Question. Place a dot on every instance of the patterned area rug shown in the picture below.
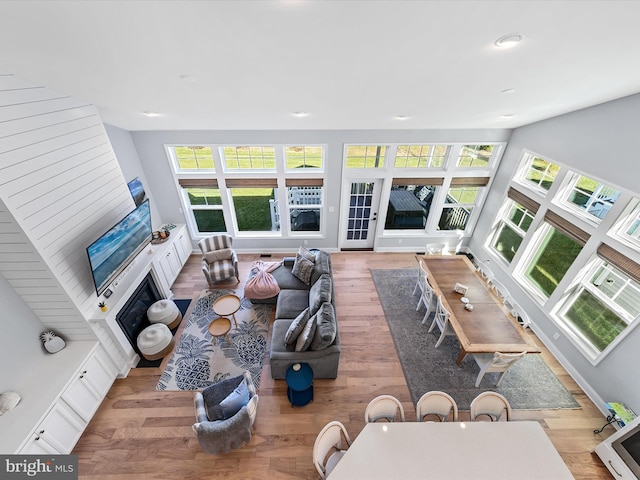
(529, 385)
(197, 363)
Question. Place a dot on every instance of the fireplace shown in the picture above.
(132, 318)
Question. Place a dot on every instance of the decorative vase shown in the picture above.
(102, 306)
(52, 343)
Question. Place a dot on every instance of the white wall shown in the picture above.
(601, 142)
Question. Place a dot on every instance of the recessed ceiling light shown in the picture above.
(508, 90)
(401, 117)
(299, 114)
(507, 116)
(151, 114)
(188, 78)
(509, 41)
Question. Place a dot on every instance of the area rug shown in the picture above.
(528, 385)
(183, 305)
(197, 362)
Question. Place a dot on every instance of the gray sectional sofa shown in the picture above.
(321, 350)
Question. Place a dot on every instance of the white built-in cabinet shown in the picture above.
(64, 421)
(170, 259)
(610, 457)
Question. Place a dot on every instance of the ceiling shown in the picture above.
(245, 65)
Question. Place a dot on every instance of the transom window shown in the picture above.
(194, 158)
(590, 197)
(421, 156)
(249, 158)
(539, 173)
(475, 156)
(307, 157)
(365, 156)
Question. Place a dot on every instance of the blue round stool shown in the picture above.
(299, 378)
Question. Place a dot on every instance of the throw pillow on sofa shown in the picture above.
(319, 293)
(306, 253)
(302, 269)
(306, 337)
(325, 320)
(296, 327)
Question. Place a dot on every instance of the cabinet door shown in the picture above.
(183, 246)
(87, 390)
(170, 265)
(58, 432)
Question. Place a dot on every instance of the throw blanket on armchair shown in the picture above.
(261, 283)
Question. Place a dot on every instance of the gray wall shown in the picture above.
(599, 141)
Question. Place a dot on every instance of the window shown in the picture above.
(255, 207)
(249, 158)
(409, 204)
(307, 157)
(475, 156)
(365, 156)
(206, 207)
(421, 156)
(590, 197)
(194, 158)
(304, 203)
(605, 301)
(539, 173)
(554, 253)
(462, 196)
(513, 225)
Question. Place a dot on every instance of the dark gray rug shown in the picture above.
(529, 385)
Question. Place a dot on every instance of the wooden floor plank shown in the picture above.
(141, 433)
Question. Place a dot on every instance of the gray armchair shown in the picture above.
(220, 436)
(219, 260)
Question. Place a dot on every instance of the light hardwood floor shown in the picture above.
(141, 433)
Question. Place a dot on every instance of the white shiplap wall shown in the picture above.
(60, 188)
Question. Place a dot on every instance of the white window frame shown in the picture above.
(629, 216)
(502, 220)
(495, 153)
(526, 165)
(248, 171)
(569, 186)
(428, 158)
(310, 170)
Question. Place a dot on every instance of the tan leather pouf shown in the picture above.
(155, 341)
(165, 311)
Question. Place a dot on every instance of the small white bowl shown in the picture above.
(464, 300)
(468, 306)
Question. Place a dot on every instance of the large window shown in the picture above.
(605, 301)
(514, 222)
(253, 206)
(206, 207)
(365, 156)
(539, 173)
(421, 156)
(305, 207)
(409, 205)
(461, 199)
(589, 197)
(554, 253)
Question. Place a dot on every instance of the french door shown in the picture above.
(362, 201)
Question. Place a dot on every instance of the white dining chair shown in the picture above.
(490, 404)
(520, 315)
(500, 290)
(435, 249)
(423, 274)
(485, 271)
(384, 407)
(329, 447)
(427, 299)
(441, 319)
(436, 404)
(496, 362)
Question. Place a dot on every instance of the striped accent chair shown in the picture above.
(219, 260)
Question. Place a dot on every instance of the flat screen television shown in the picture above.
(110, 254)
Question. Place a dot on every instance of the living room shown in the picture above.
(595, 141)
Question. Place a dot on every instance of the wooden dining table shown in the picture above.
(489, 327)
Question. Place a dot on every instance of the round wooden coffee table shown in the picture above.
(220, 327)
(227, 305)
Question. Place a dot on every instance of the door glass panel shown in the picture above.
(360, 201)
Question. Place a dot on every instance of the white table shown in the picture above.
(452, 450)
